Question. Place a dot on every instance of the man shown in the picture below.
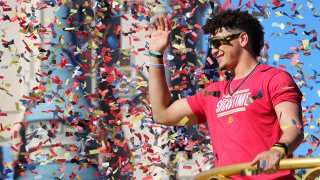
(253, 117)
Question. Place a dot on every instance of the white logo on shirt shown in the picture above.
(231, 104)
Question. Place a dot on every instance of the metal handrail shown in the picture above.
(285, 164)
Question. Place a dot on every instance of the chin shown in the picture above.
(222, 67)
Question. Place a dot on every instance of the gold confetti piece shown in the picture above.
(94, 151)
(176, 7)
(183, 121)
(306, 135)
(19, 69)
(70, 29)
(305, 44)
(286, 126)
(66, 155)
(43, 163)
(276, 57)
(279, 14)
(200, 63)
(17, 106)
(141, 116)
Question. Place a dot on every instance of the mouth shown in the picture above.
(219, 58)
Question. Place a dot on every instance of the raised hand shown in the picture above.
(160, 36)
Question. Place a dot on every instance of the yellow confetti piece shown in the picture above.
(305, 44)
(299, 7)
(23, 153)
(19, 69)
(60, 46)
(8, 126)
(48, 82)
(17, 106)
(94, 151)
(71, 130)
(276, 57)
(70, 29)
(279, 14)
(143, 84)
(267, 15)
(183, 121)
(177, 7)
(59, 100)
(286, 126)
(138, 117)
(70, 97)
(67, 81)
(199, 61)
(66, 155)
(103, 144)
(97, 113)
(313, 127)
(300, 16)
(190, 64)
(43, 163)
(298, 66)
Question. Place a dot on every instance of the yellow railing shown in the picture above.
(221, 173)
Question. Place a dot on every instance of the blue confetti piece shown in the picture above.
(294, 122)
(168, 8)
(264, 164)
(141, 18)
(31, 167)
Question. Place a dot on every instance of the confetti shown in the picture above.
(126, 94)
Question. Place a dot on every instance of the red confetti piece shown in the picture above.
(276, 3)
(3, 114)
(209, 60)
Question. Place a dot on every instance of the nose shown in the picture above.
(214, 52)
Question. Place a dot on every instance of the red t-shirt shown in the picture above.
(246, 125)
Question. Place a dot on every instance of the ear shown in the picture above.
(243, 39)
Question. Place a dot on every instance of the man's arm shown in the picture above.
(290, 118)
(164, 110)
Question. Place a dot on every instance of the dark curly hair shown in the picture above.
(237, 19)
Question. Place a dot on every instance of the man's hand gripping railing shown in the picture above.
(222, 173)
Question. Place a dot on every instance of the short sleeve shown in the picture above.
(283, 88)
(197, 105)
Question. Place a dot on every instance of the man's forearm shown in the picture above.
(292, 136)
(160, 96)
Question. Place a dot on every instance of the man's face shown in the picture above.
(225, 48)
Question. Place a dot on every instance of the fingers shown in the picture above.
(268, 163)
(166, 25)
(161, 24)
(154, 26)
(255, 161)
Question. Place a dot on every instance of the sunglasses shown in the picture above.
(217, 41)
